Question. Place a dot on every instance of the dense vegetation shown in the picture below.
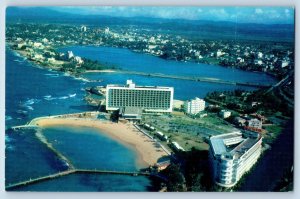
(86, 65)
(241, 101)
(191, 174)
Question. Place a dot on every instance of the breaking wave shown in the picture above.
(64, 97)
(8, 118)
(30, 102)
(72, 95)
(49, 97)
(19, 61)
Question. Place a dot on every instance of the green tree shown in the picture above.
(176, 180)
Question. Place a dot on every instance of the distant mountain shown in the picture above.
(44, 14)
(27, 12)
(192, 28)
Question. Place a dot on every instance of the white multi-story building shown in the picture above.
(70, 55)
(147, 98)
(225, 114)
(233, 154)
(83, 28)
(194, 106)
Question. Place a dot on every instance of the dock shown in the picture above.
(73, 171)
(35, 180)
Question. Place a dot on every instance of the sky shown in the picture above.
(266, 15)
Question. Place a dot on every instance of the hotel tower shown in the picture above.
(145, 98)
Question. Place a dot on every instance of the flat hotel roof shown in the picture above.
(147, 87)
(219, 146)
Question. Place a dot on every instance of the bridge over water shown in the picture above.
(189, 78)
(72, 171)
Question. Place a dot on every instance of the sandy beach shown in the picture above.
(125, 133)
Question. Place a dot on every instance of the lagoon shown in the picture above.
(86, 148)
(183, 89)
(132, 61)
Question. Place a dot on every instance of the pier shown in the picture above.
(73, 171)
(133, 173)
(39, 179)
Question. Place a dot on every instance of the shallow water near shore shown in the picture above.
(88, 148)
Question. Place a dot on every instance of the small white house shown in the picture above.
(225, 114)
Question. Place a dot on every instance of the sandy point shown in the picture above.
(148, 150)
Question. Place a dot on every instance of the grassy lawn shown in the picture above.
(187, 142)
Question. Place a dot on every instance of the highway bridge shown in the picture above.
(189, 78)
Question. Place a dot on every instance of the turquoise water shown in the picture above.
(86, 148)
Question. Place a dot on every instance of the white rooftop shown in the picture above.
(131, 84)
(221, 143)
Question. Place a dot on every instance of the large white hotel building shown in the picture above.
(233, 154)
(147, 98)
